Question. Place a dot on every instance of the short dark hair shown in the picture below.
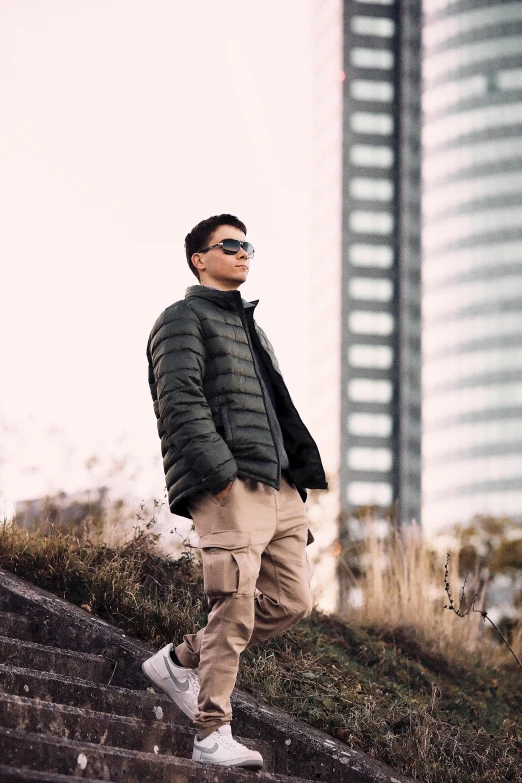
(199, 237)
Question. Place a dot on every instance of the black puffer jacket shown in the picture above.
(210, 405)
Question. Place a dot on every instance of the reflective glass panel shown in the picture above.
(450, 162)
(450, 370)
(437, 33)
(378, 357)
(451, 93)
(373, 425)
(452, 474)
(455, 126)
(369, 322)
(371, 122)
(378, 459)
(437, 65)
(460, 437)
(454, 229)
(460, 296)
(371, 155)
(462, 330)
(450, 264)
(371, 189)
(454, 403)
(371, 90)
(364, 57)
(372, 25)
(366, 390)
(371, 288)
(369, 222)
(456, 194)
(464, 505)
(380, 256)
(365, 493)
(510, 78)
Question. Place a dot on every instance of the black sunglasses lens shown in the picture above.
(248, 248)
(231, 246)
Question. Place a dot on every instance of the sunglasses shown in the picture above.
(231, 247)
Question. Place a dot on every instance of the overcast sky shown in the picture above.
(124, 123)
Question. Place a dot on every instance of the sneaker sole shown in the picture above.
(149, 671)
(253, 764)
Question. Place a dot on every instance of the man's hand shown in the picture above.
(224, 492)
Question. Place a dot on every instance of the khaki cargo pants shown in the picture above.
(255, 538)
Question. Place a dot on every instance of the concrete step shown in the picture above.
(17, 775)
(16, 626)
(29, 655)
(25, 750)
(145, 705)
(81, 725)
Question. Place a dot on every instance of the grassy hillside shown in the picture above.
(435, 716)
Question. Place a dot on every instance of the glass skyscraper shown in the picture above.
(380, 307)
(472, 260)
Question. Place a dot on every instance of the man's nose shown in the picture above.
(241, 253)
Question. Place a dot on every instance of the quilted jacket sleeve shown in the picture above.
(176, 368)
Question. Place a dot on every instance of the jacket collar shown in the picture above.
(231, 300)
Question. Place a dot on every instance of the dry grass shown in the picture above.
(402, 586)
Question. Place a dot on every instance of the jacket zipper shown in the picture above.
(243, 317)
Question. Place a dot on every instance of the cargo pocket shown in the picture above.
(225, 562)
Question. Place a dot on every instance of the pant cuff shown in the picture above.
(187, 659)
(204, 732)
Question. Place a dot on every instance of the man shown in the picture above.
(237, 459)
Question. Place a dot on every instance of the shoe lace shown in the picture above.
(230, 742)
(194, 681)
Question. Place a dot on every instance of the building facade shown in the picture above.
(472, 260)
(380, 308)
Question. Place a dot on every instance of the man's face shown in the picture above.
(218, 269)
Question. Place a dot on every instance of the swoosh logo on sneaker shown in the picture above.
(183, 686)
(206, 750)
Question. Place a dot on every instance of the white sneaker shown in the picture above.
(178, 682)
(220, 748)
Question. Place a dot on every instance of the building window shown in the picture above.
(377, 459)
(465, 191)
(369, 322)
(366, 493)
(371, 425)
(370, 90)
(366, 222)
(476, 293)
(371, 155)
(510, 78)
(455, 126)
(380, 256)
(461, 331)
(376, 2)
(373, 25)
(371, 189)
(459, 402)
(378, 289)
(452, 161)
(451, 93)
(363, 57)
(449, 265)
(367, 390)
(461, 437)
(372, 122)
(451, 370)
(456, 229)
(438, 65)
(437, 33)
(378, 357)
